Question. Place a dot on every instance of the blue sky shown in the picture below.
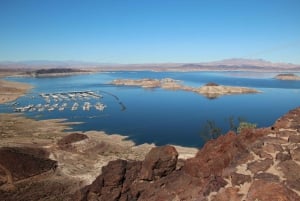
(146, 31)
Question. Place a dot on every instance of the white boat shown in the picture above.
(86, 106)
(75, 106)
(51, 108)
(100, 106)
(41, 109)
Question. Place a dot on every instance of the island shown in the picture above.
(287, 76)
(57, 72)
(210, 90)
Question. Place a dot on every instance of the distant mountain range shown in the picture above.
(234, 64)
(252, 62)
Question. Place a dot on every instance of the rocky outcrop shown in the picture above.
(257, 164)
(66, 142)
(159, 162)
(20, 163)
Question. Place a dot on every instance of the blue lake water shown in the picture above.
(161, 116)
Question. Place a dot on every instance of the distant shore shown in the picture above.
(287, 76)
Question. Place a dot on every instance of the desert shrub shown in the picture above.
(245, 125)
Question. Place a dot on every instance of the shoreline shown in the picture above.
(266, 156)
(10, 91)
(83, 160)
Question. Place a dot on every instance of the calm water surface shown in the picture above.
(160, 116)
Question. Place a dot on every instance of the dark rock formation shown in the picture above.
(66, 142)
(269, 191)
(128, 180)
(283, 156)
(264, 159)
(21, 163)
(159, 162)
(238, 179)
(258, 166)
(267, 177)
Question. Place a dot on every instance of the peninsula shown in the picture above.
(10, 91)
(210, 90)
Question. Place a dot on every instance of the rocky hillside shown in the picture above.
(260, 164)
(257, 164)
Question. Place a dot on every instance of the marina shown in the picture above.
(59, 101)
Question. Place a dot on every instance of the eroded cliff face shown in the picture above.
(257, 164)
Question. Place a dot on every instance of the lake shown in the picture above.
(160, 116)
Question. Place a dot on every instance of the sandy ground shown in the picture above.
(84, 159)
(10, 91)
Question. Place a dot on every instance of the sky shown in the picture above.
(149, 31)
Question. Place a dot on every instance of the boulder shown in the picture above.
(281, 156)
(159, 162)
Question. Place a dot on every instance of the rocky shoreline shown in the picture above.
(257, 164)
(210, 90)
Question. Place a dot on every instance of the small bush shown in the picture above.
(245, 125)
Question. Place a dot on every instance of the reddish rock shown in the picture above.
(159, 162)
(262, 165)
(294, 138)
(108, 185)
(272, 148)
(66, 142)
(283, 156)
(214, 185)
(267, 177)
(228, 194)
(214, 156)
(22, 163)
(296, 154)
(238, 179)
(269, 191)
(290, 169)
(294, 184)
